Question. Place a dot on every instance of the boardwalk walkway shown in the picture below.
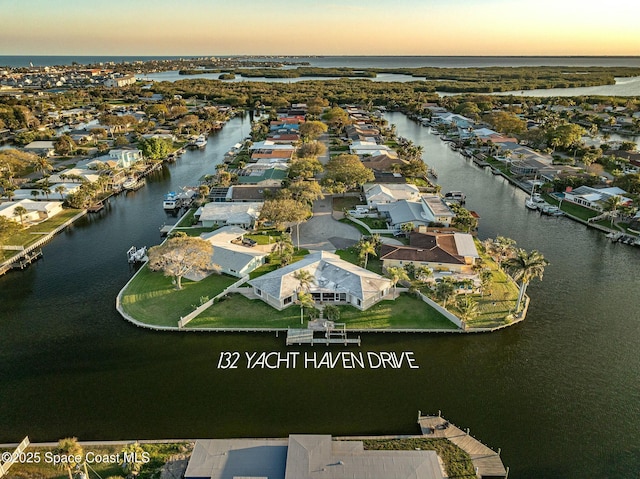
(486, 461)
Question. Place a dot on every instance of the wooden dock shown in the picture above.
(486, 461)
(306, 336)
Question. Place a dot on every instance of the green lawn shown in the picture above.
(269, 236)
(188, 219)
(342, 203)
(194, 231)
(571, 208)
(275, 263)
(405, 312)
(34, 233)
(236, 311)
(375, 223)
(362, 229)
(151, 298)
(351, 255)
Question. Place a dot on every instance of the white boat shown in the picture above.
(535, 202)
(456, 196)
(174, 201)
(201, 141)
(137, 255)
(551, 210)
(132, 183)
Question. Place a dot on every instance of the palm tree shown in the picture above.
(467, 308)
(366, 248)
(396, 274)
(69, 448)
(445, 289)
(524, 267)
(304, 278)
(35, 194)
(283, 246)
(60, 189)
(423, 273)
(132, 462)
(502, 248)
(20, 211)
(43, 165)
(407, 228)
(611, 205)
(305, 300)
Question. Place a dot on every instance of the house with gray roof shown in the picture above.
(595, 198)
(334, 281)
(423, 212)
(228, 213)
(230, 256)
(377, 194)
(306, 456)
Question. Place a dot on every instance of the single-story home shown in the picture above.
(227, 213)
(306, 456)
(595, 198)
(455, 252)
(45, 148)
(377, 194)
(126, 157)
(382, 160)
(72, 174)
(335, 281)
(36, 210)
(366, 148)
(423, 212)
(229, 254)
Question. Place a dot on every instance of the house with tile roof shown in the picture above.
(335, 281)
(454, 252)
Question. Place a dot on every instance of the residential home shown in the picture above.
(126, 157)
(230, 255)
(120, 81)
(222, 214)
(377, 194)
(44, 148)
(250, 193)
(334, 281)
(367, 148)
(453, 252)
(595, 198)
(36, 210)
(305, 456)
(383, 161)
(428, 210)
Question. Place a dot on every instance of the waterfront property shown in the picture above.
(334, 281)
(381, 194)
(451, 252)
(427, 210)
(306, 456)
(35, 211)
(595, 198)
(243, 215)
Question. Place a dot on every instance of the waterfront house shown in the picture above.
(230, 255)
(595, 198)
(428, 210)
(335, 281)
(377, 194)
(453, 252)
(37, 211)
(74, 174)
(367, 148)
(125, 157)
(243, 215)
(306, 456)
(383, 160)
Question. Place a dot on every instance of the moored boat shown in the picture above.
(133, 183)
(456, 196)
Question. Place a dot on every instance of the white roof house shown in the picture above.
(367, 148)
(82, 173)
(239, 214)
(335, 281)
(306, 456)
(36, 210)
(595, 198)
(125, 157)
(229, 255)
(390, 193)
(42, 147)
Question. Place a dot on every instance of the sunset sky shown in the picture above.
(372, 27)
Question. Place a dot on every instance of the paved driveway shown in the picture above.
(322, 232)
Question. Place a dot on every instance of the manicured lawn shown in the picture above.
(342, 203)
(236, 311)
(572, 209)
(187, 220)
(34, 233)
(351, 255)
(405, 312)
(265, 236)
(197, 231)
(151, 298)
(374, 223)
(275, 263)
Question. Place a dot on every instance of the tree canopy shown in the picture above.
(179, 256)
(344, 172)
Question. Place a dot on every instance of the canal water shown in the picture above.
(559, 393)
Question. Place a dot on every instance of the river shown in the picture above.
(558, 393)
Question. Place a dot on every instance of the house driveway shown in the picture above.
(322, 232)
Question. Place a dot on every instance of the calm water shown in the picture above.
(559, 394)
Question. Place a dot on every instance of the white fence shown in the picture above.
(370, 230)
(450, 316)
(13, 458)
(184, 320)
